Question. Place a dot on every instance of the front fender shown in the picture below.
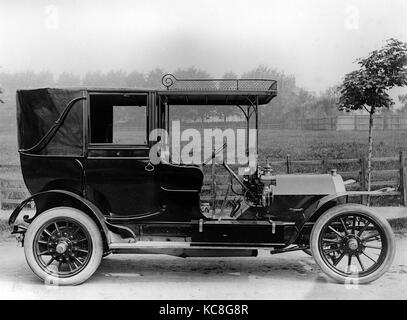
(322, 204)
(334, 196)
(89, 205)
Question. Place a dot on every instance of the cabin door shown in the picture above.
(118, 174)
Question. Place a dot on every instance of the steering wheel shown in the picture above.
(215, 153)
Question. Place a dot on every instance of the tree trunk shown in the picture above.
(369, 156)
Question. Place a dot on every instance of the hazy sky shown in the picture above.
(317, 40)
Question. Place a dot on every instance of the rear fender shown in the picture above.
(91, 209)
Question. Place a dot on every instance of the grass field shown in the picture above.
(332, 144)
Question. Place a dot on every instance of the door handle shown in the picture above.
(149, 167)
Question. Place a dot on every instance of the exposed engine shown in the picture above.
(269, 181)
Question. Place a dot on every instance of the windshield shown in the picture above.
(194, 132)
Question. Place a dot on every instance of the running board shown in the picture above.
(187, 245)
(186, 249)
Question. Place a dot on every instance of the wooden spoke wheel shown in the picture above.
(63, 246)
(352, 244)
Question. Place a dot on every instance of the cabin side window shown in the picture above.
(118, 119)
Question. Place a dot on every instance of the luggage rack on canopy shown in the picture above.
(254, 85)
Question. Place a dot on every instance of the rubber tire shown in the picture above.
(352, 208)
(87, 222)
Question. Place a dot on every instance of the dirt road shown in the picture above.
(286, 276)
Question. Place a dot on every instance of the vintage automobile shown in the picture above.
(96, 192)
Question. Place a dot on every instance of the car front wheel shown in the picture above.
(352, 244)
(63, 246)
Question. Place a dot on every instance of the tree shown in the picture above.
(366, 88)
(306, 105)
(66, 79)
(288, 93)
(44, 79)
(316, 106)
(96, 79)
(403, 100)
(192, 112)
(116, 79)
(1, 92)
(153, 78)
(225, 111)
(136, 80)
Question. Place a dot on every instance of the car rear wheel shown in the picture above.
(352, 244)
(63, 246)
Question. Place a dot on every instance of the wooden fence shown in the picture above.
(12, 191)
(394, 174)
(389, 121)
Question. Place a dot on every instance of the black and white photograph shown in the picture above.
(221, 152)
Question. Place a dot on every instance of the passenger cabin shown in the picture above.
(80, 140)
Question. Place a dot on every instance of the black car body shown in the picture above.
(72, 158)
